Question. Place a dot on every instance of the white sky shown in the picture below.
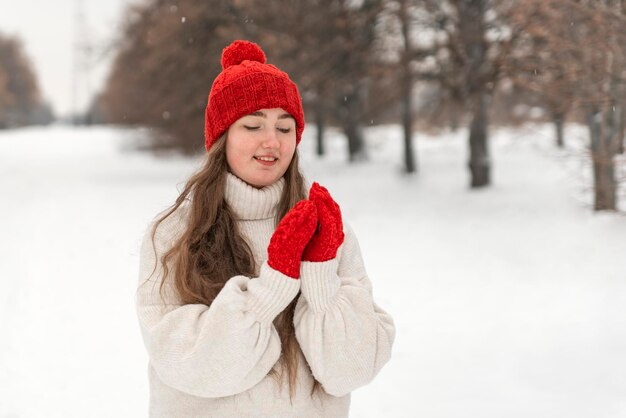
(47, 30)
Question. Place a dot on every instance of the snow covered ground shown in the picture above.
(508, 301)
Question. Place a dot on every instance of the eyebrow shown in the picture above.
(263, 115)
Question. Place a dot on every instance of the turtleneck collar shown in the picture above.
(250, 203)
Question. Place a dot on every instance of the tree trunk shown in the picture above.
(621, 127)
(602, 134)
(407, 91)
(604, 182)
(319, 121)
(478, 77)
(352, 126)
(407, 123)
(354, 133)
(456, 112)
(479, 163)
(559, 119)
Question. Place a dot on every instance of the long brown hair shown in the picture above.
(211, 250)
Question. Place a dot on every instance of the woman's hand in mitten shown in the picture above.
(329, 235)
(290, 237)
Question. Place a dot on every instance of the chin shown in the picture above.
(259, 183)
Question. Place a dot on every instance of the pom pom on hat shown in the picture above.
(238, 51)
(246, 84)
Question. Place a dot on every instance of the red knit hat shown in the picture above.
(245, 85)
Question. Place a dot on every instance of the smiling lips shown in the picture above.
(266, 160)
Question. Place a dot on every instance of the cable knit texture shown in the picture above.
(250, 203)
(214, 361)
(329, 235)
(247, 84)
(291, 236)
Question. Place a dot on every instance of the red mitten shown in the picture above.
(290, 237)
(329, 236)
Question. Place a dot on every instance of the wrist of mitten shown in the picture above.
(270, 293)
(319, 283)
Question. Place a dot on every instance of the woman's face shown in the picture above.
(259, 146)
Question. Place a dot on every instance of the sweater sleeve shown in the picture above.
(345, 337)
(210, 351)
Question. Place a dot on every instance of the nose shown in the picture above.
(270, 140)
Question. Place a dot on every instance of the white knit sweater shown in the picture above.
(213, 361)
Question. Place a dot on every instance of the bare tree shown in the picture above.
(168, 56)
(542, 61)
(407, 85)
(462, 46)
(19, 92)
(326, 46)
(5, 96)
(582, 69)
(604, 106)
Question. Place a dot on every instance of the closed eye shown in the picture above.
(251, 128)
(284, 130)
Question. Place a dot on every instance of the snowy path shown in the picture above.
(509, 302)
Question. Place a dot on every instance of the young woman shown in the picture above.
(253, 299)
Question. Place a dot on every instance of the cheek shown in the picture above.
(236, 148)
(230, 153)
(289, 147)
(286, 160)
(235, 155)
(230, 161)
